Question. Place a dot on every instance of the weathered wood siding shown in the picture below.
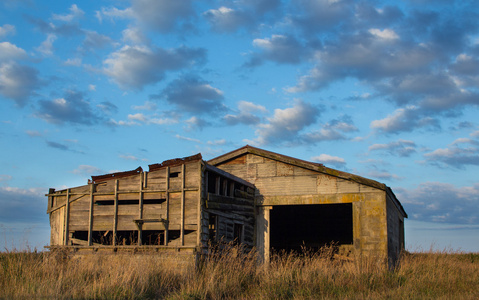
(121, 205)
(279, 183)
(395, 230)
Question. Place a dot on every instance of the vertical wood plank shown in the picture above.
(115, 217)
(167, 204)
(67, 217)
(200, 193)
(90, 220)
(267, 247)
(182, 224)
(217, 186)
(140, 210)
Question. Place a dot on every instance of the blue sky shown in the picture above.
(384, 89)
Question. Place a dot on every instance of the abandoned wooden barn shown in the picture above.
(180, 205)
(249, 196)
(305, 204)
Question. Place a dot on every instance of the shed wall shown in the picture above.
(279, 183)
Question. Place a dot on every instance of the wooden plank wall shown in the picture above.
(117, 205)
(278, 183)
(232, 204)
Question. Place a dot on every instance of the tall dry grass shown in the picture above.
(234, 275)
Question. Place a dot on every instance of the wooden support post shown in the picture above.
(167, 204)
(67, 217)
(115, 218)
(200, 194)
(182, 230)
(217, 185)
(140, 210)
(90, 220)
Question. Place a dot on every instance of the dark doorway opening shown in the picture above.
(294, 227)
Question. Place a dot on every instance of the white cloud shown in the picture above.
(442, 202)
(148, 105)
(75, 62)
(134, 35)
(10, 51)
(46, 47)
(386, 34)
(187, 139)
(17, 82)
(192, 94)
(225, 19)
(404, 119)
(329, 159)
(75, 13)
(133, 67)
(286, 123)
(114, 12)
(402, 148)
(246, 114)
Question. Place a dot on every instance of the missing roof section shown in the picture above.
(101, 178)
(175, 162)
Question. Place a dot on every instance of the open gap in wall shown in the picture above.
(129, 202)
(153, 237)
(125, 238)
(102, 237)
(298, 227)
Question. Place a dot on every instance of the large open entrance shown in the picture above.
(312, 226)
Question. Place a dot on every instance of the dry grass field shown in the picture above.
(444, 275)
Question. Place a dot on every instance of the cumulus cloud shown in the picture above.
(95, 40)
(107, 107)
(133, 67)
(405, 59)
(64, 29)
(225, 19)
(281, 49)
(240, 14)
(333, 130)
(134, 35)
(460, 153)
(73, 108)
(386, 34)
(163, 15)
(382, 175)
(184, 138)
(159, 15)
(75, 13)
(405, 120)
(286, 124)
(329, 159)
(246, 114)
(46, 47)
(441, 203)
(193, 94)
(10, 51)
(18, 82)
(401, 148)
(319, 15)
(196, 123)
